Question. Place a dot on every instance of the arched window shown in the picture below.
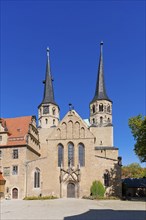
(93, 120)
(101, 107)
(53, 111)
(60, 155)
(53, 121)
(101, 120)
(81, 155)
(37, 178)
(108, 120)
(108, 108)
(93, 108)
(70, 154)
(46, 121)
(106, 179)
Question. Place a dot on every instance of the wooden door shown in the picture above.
(15, 193)
(71, 190)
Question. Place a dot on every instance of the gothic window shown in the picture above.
(60, 155)
(93, 121)
(108, 108)
(93, 108)
(106, 179)
(37, 178)
(15, 170)
(15, 154)
(101, 120)
(53, 121)
(70, 154)
(101, 107)
(81, 155)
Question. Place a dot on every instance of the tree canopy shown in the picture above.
(133, 170)
(137, 125)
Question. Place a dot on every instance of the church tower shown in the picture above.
(101, 105)
(48, 110)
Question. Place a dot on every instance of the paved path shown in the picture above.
(72, 209)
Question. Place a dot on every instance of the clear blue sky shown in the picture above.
(73, 31)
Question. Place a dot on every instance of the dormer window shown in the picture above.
(101, 107)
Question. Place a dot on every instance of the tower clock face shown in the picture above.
(45, 109)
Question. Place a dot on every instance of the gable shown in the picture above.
(72, 126)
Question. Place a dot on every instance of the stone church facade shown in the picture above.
(60, 157)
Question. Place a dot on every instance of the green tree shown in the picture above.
(133, 170)
(137, 125)
(97, 189)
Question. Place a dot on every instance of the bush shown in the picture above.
(97, 189)
(100, 198)
(39, 197)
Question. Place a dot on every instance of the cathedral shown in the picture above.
(60, 157)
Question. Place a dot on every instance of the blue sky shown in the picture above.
(73, 31)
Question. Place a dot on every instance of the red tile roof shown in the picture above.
(17, 130)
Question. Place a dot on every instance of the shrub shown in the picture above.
(39, 197)
(97, 189)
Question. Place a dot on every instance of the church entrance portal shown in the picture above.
(71, 190)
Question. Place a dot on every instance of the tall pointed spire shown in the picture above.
(48, 88)
(100, 91)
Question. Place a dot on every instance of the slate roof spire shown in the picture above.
(48, 87)
(100, 91)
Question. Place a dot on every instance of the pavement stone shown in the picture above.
(72, 209)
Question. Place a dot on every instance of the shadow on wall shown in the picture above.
(109, 214)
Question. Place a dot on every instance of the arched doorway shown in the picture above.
(15, 193)
(71, 190)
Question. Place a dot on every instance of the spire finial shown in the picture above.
(101, 46)
(48, 50)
